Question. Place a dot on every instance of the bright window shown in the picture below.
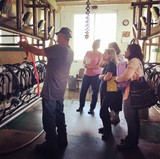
(102, 26)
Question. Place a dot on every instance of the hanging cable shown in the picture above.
(34, 66)
(87, 25)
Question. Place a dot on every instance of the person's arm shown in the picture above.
(30, 48)
(101, 76)
(103, 63)
(96, 66)
(108, 76)
(91, 67)
(99, 65)
(111, 70)
(129, 73)
(84, 60)
(86, 65)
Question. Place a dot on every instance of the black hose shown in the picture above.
(22, 146)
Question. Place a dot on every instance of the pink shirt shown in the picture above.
(92, 60)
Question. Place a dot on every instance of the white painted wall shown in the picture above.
(66, 17)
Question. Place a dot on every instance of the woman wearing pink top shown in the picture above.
(92, 71)
(134, 71)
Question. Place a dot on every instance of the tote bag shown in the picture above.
(112, 85)
(141, 95)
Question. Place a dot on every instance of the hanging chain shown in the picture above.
(87, 25)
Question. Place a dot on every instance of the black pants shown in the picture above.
(107, 99)
(118, 97)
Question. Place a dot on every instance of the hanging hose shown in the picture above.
(22, 146)
(29, 141)
(34, 66)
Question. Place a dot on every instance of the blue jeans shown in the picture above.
(53, 119)
(133, 123)
(88, 81)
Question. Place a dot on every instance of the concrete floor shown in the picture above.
(85, 141)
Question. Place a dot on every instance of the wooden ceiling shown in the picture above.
(15, 24)
(93, 2)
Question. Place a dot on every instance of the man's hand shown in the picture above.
(24, 45)
(30, 48)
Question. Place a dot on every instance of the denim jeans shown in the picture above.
(53, 119)
(88, 81)
(133, 123)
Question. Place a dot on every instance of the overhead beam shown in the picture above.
(93, 2)
(52, 3)
(144, 3)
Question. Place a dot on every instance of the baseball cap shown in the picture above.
(66, 31)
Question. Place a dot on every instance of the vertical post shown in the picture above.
(139, 23)
(49, 18)
(22, 7)
(148, 29)
(54, 20)
(19, 13)
(35, 23)
(158, 50)
(134, 14)
(46, 23)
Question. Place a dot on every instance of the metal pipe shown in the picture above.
(19, 111)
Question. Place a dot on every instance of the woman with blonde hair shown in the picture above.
(108, 97)
(116, 108)
(114, 45)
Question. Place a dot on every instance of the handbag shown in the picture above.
(141, 95)
(112, 85)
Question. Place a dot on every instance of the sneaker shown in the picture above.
(111, 114)
(101, 130)
(79, 110)
(62, 143)
(124, 146)
(90, 112)
(107, 136)
(123, 141)
(115, 120)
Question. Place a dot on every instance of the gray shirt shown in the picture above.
(58, 67)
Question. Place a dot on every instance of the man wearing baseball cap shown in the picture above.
(60, 57)
(66, 31)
